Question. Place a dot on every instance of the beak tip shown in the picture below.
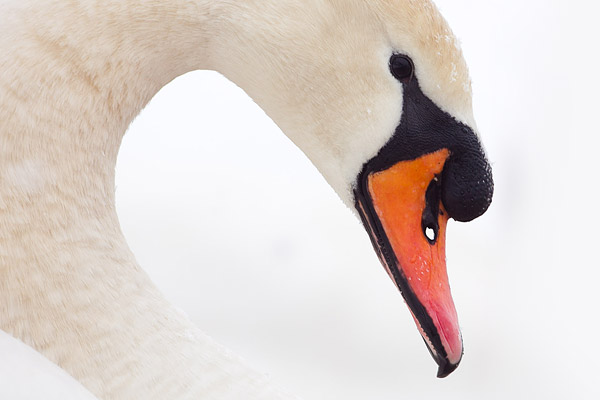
(446, 368)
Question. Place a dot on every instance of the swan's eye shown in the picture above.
(402, 67)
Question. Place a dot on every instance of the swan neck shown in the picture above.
(74, 75)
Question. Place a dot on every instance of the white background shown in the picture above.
(238, 229)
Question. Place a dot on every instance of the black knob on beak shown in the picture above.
(467, 184)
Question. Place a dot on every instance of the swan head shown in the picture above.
(377, 94)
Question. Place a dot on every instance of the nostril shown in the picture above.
(431, 212)
(430, 234)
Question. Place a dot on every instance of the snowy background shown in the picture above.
(238, 229)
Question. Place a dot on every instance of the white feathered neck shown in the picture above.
(74, 74)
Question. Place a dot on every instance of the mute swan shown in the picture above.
(376, 93)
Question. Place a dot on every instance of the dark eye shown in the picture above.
(401, 67)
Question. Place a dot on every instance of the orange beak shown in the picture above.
(401, 207)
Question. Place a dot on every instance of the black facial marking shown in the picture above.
(467, 184)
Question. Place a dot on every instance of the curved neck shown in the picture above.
(77, 73)
(74, 75)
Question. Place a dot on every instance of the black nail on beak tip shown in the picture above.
(445, 368)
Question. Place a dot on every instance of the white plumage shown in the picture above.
(74, 75)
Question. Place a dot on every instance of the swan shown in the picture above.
(375, 93)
